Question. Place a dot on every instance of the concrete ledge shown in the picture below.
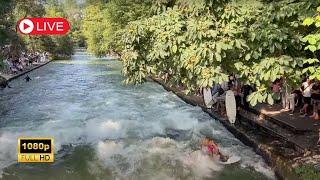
(12, 77)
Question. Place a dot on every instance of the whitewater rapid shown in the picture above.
(116, 131)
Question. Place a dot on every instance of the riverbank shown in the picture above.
(10, 77)
(288, 159)
(116, 130)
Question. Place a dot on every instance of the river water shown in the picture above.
(106, 130)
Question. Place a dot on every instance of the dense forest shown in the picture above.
(201, 42)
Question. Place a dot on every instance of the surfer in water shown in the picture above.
(213, 149)
(27, 78)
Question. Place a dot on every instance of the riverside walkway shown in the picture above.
(284, 118)
(301, 132)
(11, 76)
(286, 141)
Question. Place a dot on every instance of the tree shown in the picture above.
(60, 46)
(312, 40)
(93, 25)
(199, 43)
(104, 23)
(6, 29)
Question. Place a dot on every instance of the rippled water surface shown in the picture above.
(105, 130)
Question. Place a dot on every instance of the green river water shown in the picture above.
(106, 130)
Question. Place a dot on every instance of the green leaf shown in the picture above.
(267, 75)
(218, 56)
(254, 100)
(270, 99)
(248, 56)
(308, 22)
(249, 98)
(174, 48)
(310, 61)
(305, 39)
(312, 48)
(238, 44)
(271, 48)
(311, 69)
(305, 70)
(260, 98)
(312, 40)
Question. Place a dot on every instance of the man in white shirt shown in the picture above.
(306, 92)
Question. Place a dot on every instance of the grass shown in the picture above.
(307, 172)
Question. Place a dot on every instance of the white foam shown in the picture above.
(7, 151)
(172, 153)
(180, 120)
(96, 130)
(122, 112)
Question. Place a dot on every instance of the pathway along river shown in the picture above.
(106, 130)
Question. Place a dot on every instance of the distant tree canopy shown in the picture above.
(6, 29)
(104, 23)
(13, 10)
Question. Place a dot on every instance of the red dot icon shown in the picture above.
(43, 26)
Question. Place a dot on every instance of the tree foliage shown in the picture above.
(312, 41)
(58, 46)
(6, 30)
(104, 23)
(199, 43)
(93, 25)
(11, 11)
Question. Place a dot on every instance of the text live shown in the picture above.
(43, 26)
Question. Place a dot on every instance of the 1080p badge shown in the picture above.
(35, 149)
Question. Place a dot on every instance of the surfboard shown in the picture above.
(207, 96)
(231, 160)
(231, 107)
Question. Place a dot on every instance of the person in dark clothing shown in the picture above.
(231, 82)
(315, 96)
(246, 90)
(4, 85)
(297, 97)
(27, 78)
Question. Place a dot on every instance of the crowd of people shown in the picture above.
(16, 64)
(306, 98)
(241, 91)
(15, 60)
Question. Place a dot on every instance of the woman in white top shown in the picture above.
(306, 92)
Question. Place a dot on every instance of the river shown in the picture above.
(106, 130)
